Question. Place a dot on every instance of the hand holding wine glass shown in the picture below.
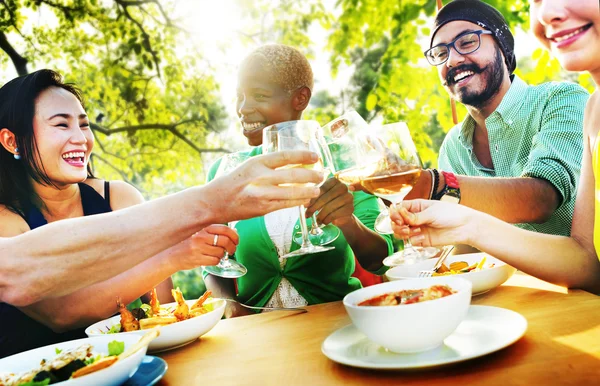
(228, 268)
(198, 249)
(297, 135)
(392, 178)
(335, 206)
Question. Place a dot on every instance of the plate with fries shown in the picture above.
(180, 323)
(485, 272)
(101, 360)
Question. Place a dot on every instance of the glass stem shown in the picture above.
(408, 247)
(303, 227)
(314, 228)
(225, 259)
(224, 262)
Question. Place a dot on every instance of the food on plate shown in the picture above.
(409, 296)
(75, 363)
(459, 267)
(153, 314)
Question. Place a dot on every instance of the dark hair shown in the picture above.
(17, 111)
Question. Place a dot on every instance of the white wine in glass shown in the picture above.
(298, 135)
(393, 177)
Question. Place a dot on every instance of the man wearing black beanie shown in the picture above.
(527, 138)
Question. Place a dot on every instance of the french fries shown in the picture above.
(155, 321)
(459, 267)
(162, 316)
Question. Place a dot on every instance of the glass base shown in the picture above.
(227, 268)
(322, 236)
(410, 256)
(308, 251)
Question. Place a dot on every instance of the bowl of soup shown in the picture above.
(408, 316)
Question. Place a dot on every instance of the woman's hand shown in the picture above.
(199, 249)
(258, 186)
(430, 223)
(335, 204)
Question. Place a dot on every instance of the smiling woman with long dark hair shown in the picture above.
(45, 147)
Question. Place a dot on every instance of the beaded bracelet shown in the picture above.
(436, 182)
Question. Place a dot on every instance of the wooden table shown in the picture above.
(561, 347)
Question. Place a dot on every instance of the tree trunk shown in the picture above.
(19, 62)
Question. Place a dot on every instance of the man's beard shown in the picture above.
(479, 99)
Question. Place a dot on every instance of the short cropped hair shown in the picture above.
(287, 66)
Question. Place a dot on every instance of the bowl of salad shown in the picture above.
(100, 360)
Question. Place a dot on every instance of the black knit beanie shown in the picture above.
(484, 15)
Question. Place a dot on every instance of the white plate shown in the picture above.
(484, 330)
(116, 374)
(172, 335)
(483, 280)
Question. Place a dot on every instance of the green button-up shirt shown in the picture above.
(536, 131)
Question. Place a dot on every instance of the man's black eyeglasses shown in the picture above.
(465, 43)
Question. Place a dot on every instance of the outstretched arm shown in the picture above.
(561, 260)
(64, 256)
(98, 301)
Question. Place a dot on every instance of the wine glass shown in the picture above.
(393, 177)
(298, 135)
(227, 267)
(351, 157)
(321, 234)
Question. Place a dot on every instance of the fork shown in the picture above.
(301, 310)
(445, 252)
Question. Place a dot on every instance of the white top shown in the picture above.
(280, 227)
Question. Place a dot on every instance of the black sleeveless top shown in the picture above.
(19, 332)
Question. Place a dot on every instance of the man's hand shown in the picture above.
(254, 188)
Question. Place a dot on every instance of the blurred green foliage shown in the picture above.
(190, 283)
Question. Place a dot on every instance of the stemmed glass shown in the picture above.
(298, 135)
(394, 176)
(321, 234)
(227, 267)
(351, 157)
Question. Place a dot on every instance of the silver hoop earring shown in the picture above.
(17, 155)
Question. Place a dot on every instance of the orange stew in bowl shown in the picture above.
(409, 296)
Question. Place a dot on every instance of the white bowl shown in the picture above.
(483, 280)
(414, 327)
(172, 335)
(116, 374)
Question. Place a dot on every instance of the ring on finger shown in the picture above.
(216, 240)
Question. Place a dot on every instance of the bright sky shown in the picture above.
(217, 27)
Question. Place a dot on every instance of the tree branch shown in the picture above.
(19, 62)
(64, 8)
(158, 126)
(121, 173)
(145, 36)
